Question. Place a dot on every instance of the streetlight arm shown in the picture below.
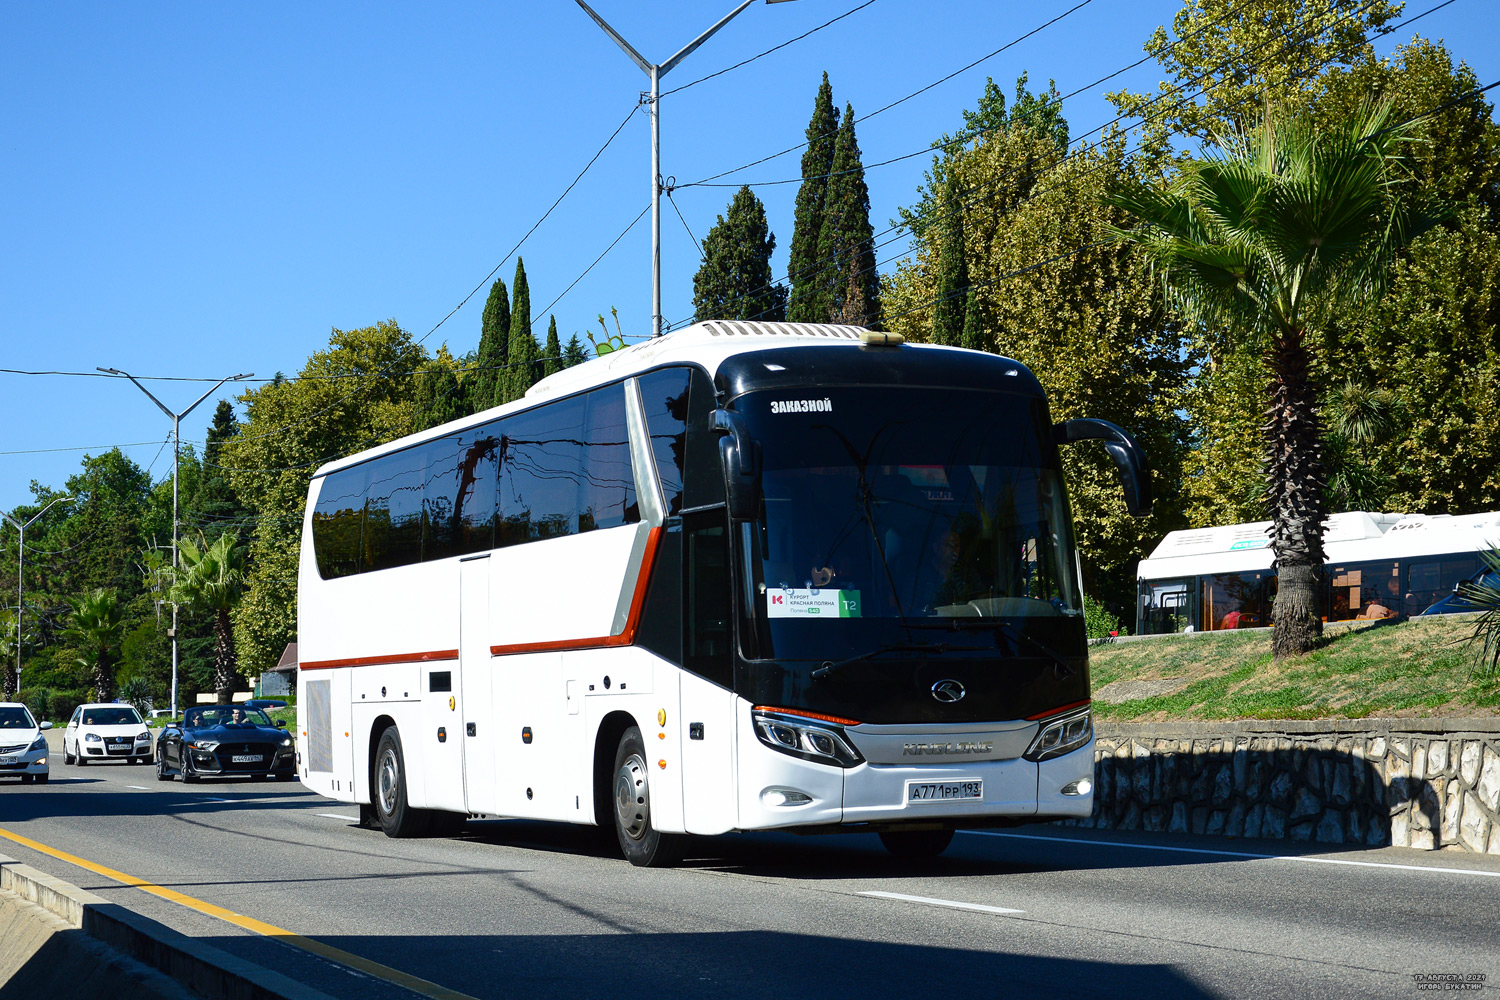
(18, 524)
(687, 49)
(630, 51)
(47, 508)
(162, 406)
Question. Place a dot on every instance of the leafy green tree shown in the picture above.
(1271, 238)
(439, 396)
(552, 355)
(8, 680)
(292, 426)
(1040, 114)
(575, 353)
(804, 303)
(520, 373)
(96, 624)
(950, 310)
(483, 388)
(734, 280)
(849, 288)
(1247, 56)
(212, 578)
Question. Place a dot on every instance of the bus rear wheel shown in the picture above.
(642, 844)
(916, 844)
(388, 791)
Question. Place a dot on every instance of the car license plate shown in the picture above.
(246, 758)
(8, 760)
(931, 791)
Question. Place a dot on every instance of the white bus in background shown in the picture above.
(745, 576)
(1377, 566)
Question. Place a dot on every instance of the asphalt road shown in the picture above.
(529, 910)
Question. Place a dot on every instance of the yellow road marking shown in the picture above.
(375, 969)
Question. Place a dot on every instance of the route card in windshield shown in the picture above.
(811, 602)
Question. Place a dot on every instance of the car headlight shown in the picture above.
(206, 745)
(40, 744)
(91, 738)
(1063, 734)
(286, 741)
(818, 739)
(143, 738)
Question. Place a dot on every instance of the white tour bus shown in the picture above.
(1377, 566)
(744, 576)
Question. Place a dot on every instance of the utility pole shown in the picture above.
(176, 457)
(20, 574)
(656, 72)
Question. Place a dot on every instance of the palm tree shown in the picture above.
(96, 622)
(8, 679)
(1270, 237)
(211, 578)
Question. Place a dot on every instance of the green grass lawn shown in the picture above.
(1391, 669)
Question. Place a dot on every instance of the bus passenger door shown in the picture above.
(477, 673)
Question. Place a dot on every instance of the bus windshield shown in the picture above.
(891, 509)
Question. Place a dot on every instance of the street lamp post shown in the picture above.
(656, 72)
(176, 456)
(21, 572)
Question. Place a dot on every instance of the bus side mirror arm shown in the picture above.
(1129, 459)
(740, 455)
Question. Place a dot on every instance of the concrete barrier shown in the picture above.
(62, 937)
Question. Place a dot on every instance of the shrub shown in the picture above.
(1098, 622)
(62, 703)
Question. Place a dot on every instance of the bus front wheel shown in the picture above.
(642, 844)
(388, 790)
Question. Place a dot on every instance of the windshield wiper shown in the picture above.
(1060, 662)
(829, 666)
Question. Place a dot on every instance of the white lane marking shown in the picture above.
(1237, 854)
(941, 902)
(351, 819)
(142, 788)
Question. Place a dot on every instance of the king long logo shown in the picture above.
(965, 746)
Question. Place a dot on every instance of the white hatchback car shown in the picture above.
(23, 748)
(106, 732)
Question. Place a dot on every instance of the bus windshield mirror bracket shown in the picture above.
(740, 455)
(1129, 459)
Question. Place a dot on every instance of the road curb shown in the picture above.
(209, 972)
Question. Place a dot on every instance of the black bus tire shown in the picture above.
(642, 844)
(388, 791)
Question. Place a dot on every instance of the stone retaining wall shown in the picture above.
(1425, 784)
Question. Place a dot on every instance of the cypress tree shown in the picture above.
(483, 387)
(552, 354)
(575, 353)
(519, 374)
(438, 397)
(973, 335)
(847, 239)
(804, 266)
(734, 281)
(948, 314)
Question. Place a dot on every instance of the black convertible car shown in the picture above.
(219, 741)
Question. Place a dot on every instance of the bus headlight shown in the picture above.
(804, 737)
(1062, 735)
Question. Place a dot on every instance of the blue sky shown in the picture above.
(201, 190)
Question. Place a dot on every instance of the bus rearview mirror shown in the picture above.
(1129, 458)
(740, 455)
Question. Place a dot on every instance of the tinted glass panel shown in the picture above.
(540, 472)
(665, 395)
(607, 486)
(459, 494)
(337, 523)
(706, 648)
(393, 510)
(703, 477)
(1233, 600)
(1166, 606)
(1430, 580)
(1363, 590)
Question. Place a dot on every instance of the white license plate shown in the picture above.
(247, 758)
(9, 760)
(933, 791)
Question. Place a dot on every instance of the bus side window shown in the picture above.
(665, 397)
(607, 485)
(706, 639)
(338, 522)
(703, 475)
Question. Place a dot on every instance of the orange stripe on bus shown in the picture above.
(632, 621)
(1058, 710)
(368, 661)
